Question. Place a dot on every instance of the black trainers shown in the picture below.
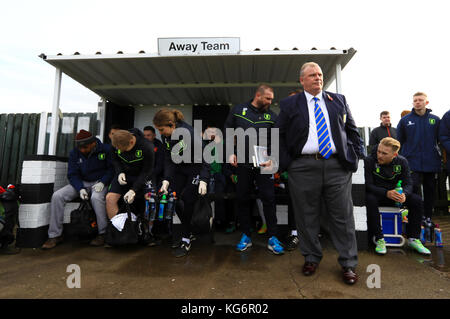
(177, 244)
(183, 249)
(154, 241)
(292, 242)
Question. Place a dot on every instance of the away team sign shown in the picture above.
(198, 46)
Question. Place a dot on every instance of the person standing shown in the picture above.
(320, 146)
(418, 134)
(254, 114)
(150, 135)
(444, 137)
(384, 130)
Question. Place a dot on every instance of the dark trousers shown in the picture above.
(219, 201)
(291, 216)
(188, 194)
(415, 211)
(311, 182)
(428, 180)
(246, 177)
(231, 204)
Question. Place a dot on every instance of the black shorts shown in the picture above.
(115, 187)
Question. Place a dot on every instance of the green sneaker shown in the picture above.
(381, 247)
(418, 246)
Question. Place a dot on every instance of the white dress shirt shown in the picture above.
(312, 144)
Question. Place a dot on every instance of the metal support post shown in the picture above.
(55, 113)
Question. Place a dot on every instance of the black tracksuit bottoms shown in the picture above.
(245, 184)
(188, 193)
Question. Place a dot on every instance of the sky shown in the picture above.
(402, 46)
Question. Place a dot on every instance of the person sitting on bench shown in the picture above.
(89, 172)
(382, 171)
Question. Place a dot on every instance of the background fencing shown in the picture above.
(19, 135)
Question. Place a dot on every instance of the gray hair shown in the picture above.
(307, 64)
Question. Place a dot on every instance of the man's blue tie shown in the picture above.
(322, 131)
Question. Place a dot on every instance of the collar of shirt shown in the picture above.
(255, 109)
(310, 97)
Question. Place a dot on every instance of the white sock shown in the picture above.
(294, 233)
(411, 239)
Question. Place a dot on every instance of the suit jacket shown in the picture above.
(293, 124)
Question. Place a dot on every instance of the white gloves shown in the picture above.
(164, 187)
(98, 187)
(129, 196)
(202, 187)
(84, 194)
(121, 179)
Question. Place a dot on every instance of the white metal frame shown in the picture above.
(55, 113)
(42, 134)
(396, 227)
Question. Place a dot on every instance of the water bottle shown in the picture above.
(212, 185)
(429, 230)
(161, 206)
(438, 236)
(399, 190)
(170, 206)
(147, 210)
(152, 207)
(422, 235)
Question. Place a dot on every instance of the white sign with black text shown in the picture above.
(198, 46)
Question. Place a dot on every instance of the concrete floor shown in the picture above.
(216, 271)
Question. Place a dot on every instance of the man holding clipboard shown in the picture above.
(253, 116)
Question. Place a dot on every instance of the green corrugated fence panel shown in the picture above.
(14, 156)
(7, 148)
(3, 119)
(23, 143)
(19, 135)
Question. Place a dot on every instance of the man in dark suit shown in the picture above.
(320, 146)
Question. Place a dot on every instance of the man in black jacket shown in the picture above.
(382, 172)
(158, 148)
(320, 147)
(254, 116)
(133, 163)
(384, 130)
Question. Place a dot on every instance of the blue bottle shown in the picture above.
(152, 207)
(429, 233)
(422, 235)
(438, 236)
(170, 206)
(147, 210)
